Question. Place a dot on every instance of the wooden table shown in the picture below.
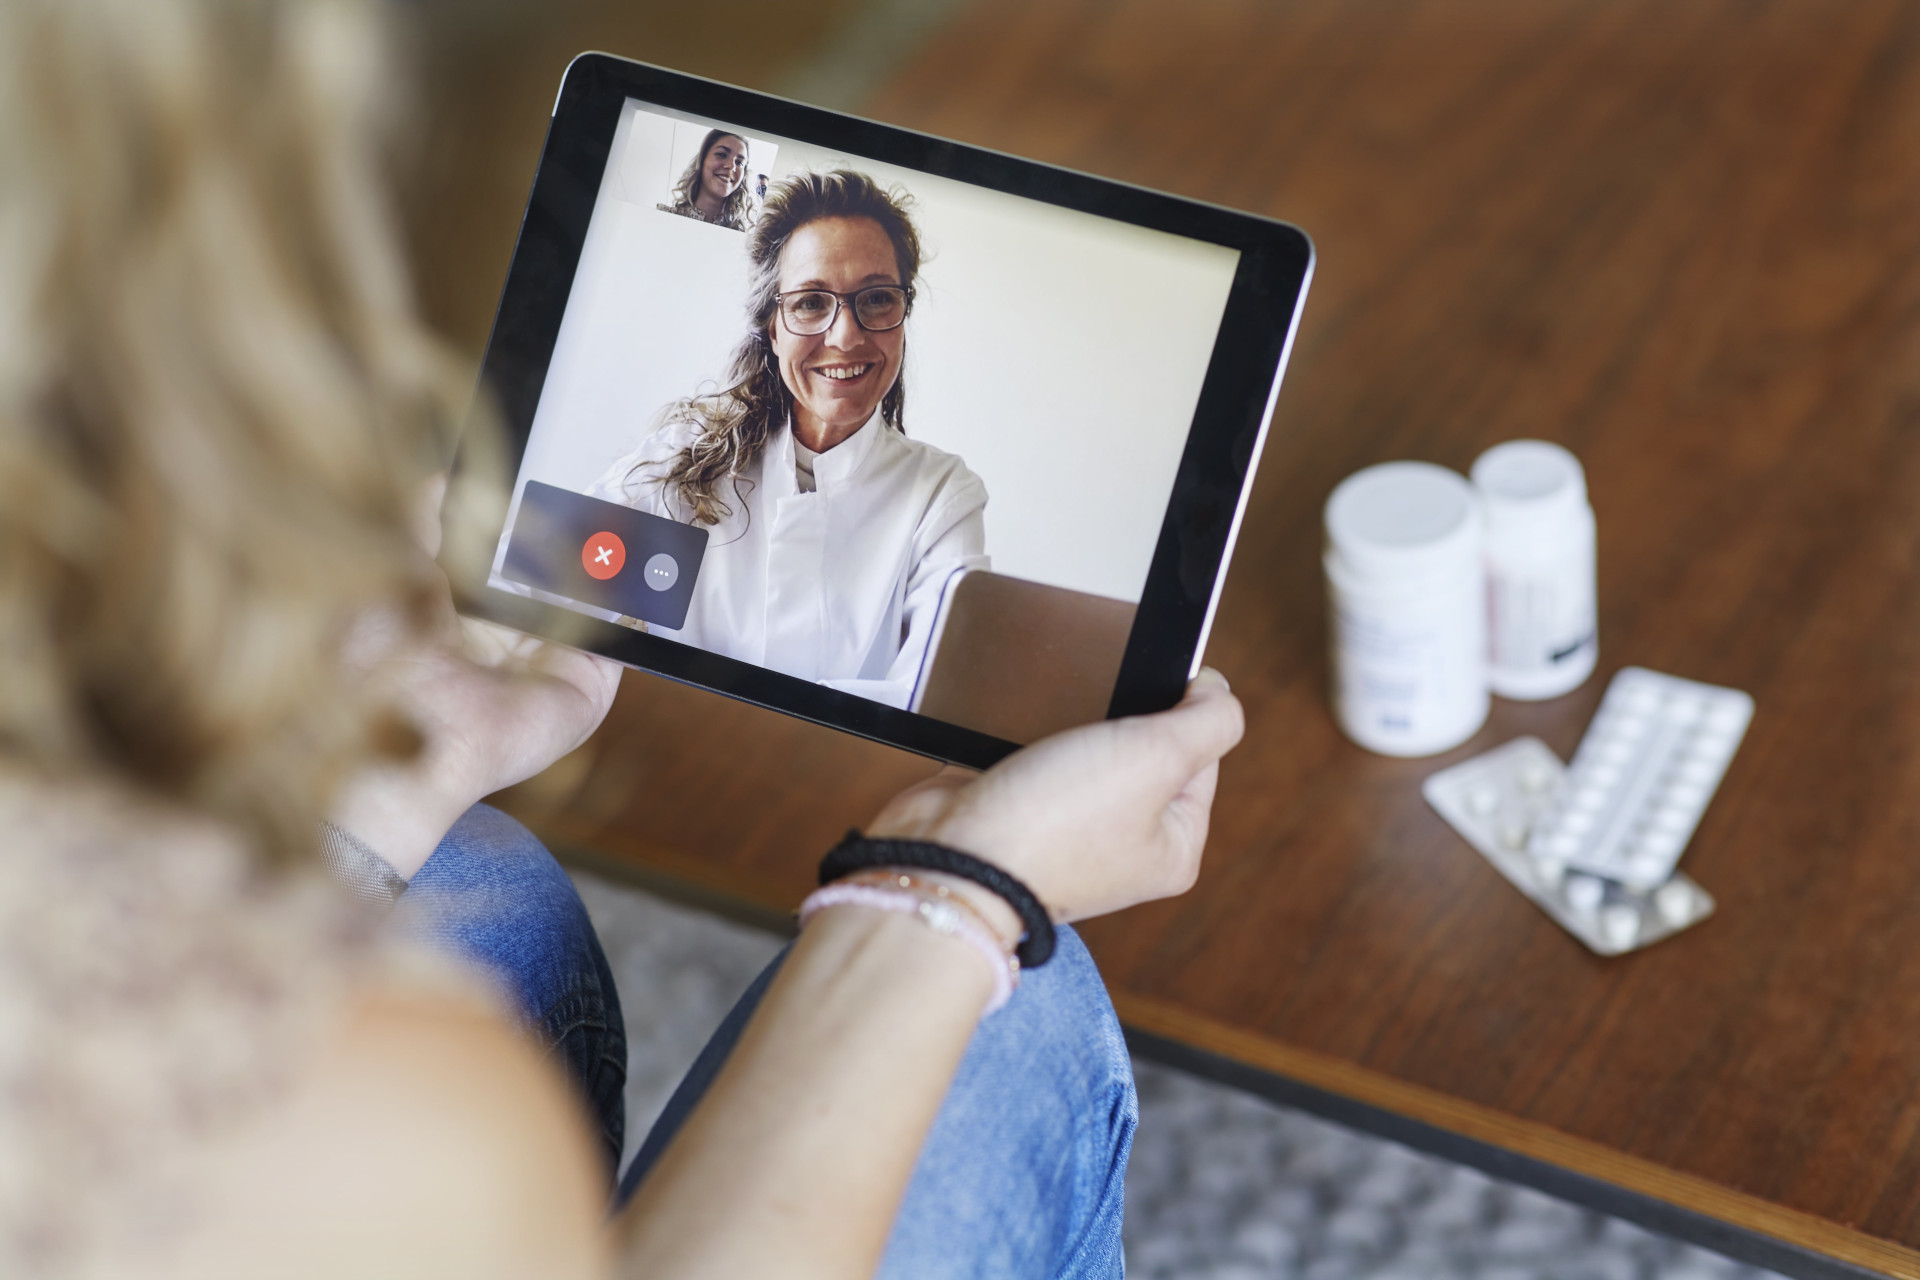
(1681, 237)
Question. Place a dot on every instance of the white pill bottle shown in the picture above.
(1542, 625)
(1406, 586)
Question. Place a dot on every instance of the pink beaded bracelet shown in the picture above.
(939, 915)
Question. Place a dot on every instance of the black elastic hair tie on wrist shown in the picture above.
(863, 853)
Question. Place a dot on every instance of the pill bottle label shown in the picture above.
(1542, 633)
(1409, 677)
(1541, 626)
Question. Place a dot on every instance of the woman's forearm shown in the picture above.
(795, 1161)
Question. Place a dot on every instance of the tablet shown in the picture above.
(774, 379)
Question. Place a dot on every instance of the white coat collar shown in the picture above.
(776, 465)
(842, 462)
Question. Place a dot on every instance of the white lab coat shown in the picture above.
(837, 586)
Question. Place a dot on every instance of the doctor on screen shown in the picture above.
(833, 532)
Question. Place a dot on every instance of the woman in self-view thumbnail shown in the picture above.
(833, 532)
(714, 187)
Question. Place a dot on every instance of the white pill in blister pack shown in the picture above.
(1498, 801)
(1642, 777)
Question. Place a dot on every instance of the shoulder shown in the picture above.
(628, 476)
(671, 436)
(344, 1102)
(665, 442)
(944, 476)
(427, 1134)
(925, 458)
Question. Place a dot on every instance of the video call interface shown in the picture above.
(798, 397)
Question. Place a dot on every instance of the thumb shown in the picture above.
(1192, 735)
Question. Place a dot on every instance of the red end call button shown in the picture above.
(603, 555)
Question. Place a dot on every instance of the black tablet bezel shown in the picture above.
(1203, 514)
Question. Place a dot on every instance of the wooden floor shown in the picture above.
(1681, 239)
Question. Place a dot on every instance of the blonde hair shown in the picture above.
(216, 402)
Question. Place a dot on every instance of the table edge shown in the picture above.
(1526, 1138)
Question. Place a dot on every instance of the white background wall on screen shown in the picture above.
(1060, 355)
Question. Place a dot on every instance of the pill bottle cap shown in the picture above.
(1530, 487)
(1404, 520)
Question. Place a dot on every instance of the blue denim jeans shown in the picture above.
(492, 895)
(1023, 1173)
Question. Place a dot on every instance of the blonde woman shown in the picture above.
(222, 637)
(714, 187)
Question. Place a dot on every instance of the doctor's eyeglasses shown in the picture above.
(806, 312)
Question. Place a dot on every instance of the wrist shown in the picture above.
(359, 868)
(396, 814)
(931, 910)
(857, 853)
(991, 909)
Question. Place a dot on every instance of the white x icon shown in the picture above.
(603, 556)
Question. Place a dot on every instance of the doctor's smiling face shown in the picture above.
(838, 376)
(833, 260)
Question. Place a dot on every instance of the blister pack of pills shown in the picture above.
(1499, 800)
(1642, 776)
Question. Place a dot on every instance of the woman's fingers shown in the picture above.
(426, 512)
(1165, 751)
(535, 676)
(597, 678)
(1205, 725)
(1096, 818)
(1187, 818)
(546, 713)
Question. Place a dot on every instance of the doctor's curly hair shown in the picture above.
(736, 423)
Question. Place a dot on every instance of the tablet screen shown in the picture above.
(796, 395)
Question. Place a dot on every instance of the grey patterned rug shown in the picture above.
(1222, 1186)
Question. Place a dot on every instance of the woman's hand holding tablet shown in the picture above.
(1095, 819)
(492, 708)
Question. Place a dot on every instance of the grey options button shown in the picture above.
(662, 572)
